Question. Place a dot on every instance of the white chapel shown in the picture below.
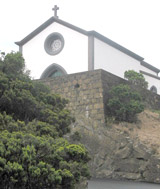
(57, 48)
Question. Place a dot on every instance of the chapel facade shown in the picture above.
(57, 48)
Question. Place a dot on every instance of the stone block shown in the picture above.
(87, 105)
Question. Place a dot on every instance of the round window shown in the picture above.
(54, 43)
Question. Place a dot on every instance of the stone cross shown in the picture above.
(55, 10)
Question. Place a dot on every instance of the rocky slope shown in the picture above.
(123, 151)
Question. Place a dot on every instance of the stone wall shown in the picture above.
(114, 152)
(85, 94)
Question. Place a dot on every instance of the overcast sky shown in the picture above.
(134, 24)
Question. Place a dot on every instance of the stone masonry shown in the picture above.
(85, 94)
(114, 153)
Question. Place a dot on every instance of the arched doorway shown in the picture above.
(53, 70)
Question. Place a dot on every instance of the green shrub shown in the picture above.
(136, 78)
(76, 136)
(33, 153)
(124, 103)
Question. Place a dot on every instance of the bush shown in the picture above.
(136, 78)
(124, 103)
(76, 136)
(32, 122)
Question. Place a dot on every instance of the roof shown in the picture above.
(45, 25)
(149, 66)
(84, 32)
(87, 33)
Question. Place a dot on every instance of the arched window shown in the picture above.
(53, 70)
(153, 89)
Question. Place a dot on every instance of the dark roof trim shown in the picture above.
(151, 75)
(45, 25)
(35, 32)
(115, 45)
(87, 33)
(145, 64)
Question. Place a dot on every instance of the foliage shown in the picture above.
(76, 136)
(124, 103)
(32, 122)
(29, 161)
(27, 100)
(12, 64)
(136, 78)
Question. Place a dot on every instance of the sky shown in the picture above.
(134, 24)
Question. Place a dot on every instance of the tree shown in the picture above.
(136, 78)
(33, 153)
(27, 100)
(124, 103)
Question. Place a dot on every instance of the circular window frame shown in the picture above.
(49, 40)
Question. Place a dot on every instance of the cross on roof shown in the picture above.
(55, 10)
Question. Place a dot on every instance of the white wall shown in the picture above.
(73, 58)
(115, 61)
(153, 82)
(147, 70)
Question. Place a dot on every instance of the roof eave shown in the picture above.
(87, 33)
(35, 32)
(115, 45)
(73, 27)
(147, 65)
(45, 25)
(17, 43)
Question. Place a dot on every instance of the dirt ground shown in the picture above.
(146, 130)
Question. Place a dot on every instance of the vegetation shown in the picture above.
(124, 103)
(76, 136)
(33, 153)
(136, 78)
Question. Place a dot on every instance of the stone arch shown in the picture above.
(153, 89)
(52, 71)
